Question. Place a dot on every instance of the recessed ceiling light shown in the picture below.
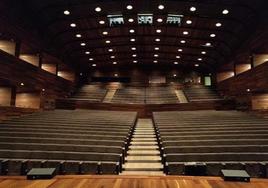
(45, 89)
(192, 9)
(157, 40)
(132, 31)
(129, 7)
(97, 9)
(66, 12)
(174, 75)
(161, 7)
(159, 20)
(156, 48)
(185, 32)
(197, 65)
(133, 48)
(73, 25)
(110, 50)
(212, 35)
(94, 65)
(91, 59)
(176, 63)
(22, 84)
(135, 61)
(114, 63)
(203, 52)
(132, 40)
(183, 41)
(101, 22)
(107, 42)
(115, 75)
(78, 35)
(130, 20)
(180, 50)
(199, 59)
(156, 55)
(218, 24)
(225, 11)
(208, 44)
(134, 55)
(158, 31)
(82, 44)
(87, 52)
(112, 57)
(155, 61)
(189, 22)
(178, 57)
(105, 32)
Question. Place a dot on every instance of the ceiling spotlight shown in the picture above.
(208, 44)
(199, 59)
(67, 12)
(97, 9)
(129, 7)
(174, 75)
(185, 32)
(110, 50)
(87, 52)
(45, 89)
(196, 65)
(180, 50)
(155, 61)
(159, 20)
(22, 84)
(101, 22)
(78, 35)
(192, 9)
(107, 42)
(94, 65)
(135, 61)
(158, 31)
(203, 52)
(156, 48)
(161, 7)
(183, 41)
(112, 57)
(83, 44)
(218, 24)
(133, 48)
(132, 31)
(134, 55)
(132, 40)
(178, 57)
(130, 20)
(225, 11)
(212, 35)
(157, 40)
(156, 55)
(73, 25)
(189, 22)
(115, 75)
(105, 32)
(114, 63)
(91, 59)
(176, 63)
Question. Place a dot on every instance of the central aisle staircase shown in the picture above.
(143, 156)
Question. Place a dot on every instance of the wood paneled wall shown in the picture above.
(5, 96)
(240, 68)
(67, 75)
(50, 68)
(260, 102)
(32, 59)
(224, 75)
(28, 100)
(7, 46)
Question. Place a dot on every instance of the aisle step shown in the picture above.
(143, 166)
(149, 173)
(144, 152)
(143, 147)
(143, 158)
(144, 143)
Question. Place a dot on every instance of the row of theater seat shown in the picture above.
(65, 137)
(94, 93)
(200, 93)
(219, 139)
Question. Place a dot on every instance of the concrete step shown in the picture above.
(143, 166)
(143, 152)
(143, 147)
(133, 158)
(143, 173)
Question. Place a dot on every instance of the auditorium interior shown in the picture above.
(134, 93)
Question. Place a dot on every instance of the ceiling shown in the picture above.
(198, 43)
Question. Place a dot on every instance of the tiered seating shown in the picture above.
(94, 93)
(161, 95)
(129, 95)
(217, 139)
(9, 112)
(200, 93)
(73, 142)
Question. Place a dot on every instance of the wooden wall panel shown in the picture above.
(49, 68)
(260, 59)
(28, 100)
(32, 59)
(240, 68)
(224, 75)
(5, 96)
(8, 46)
(67, 75)
(260, 102)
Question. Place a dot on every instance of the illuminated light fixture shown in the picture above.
(156, 55)
(22, 84)
(87, 52)
(91, 59)
(45, 90)
(66, 12)
(97, 9)
(196, 65)
(174, 75)
(115, 75)
(218, 24)
(155, 61)
(156, 48)
(189, 22)
(114, 63)
(203, 52)
(159, 20)
(225, 11)
(176, 63)
(78, 35)
(107, 41)
(178, 57)
(135, 61)
(134, 55)
(208, 44)
(112, 57)
(248, 90)
(180, 50)
(212, 35)
(94, 65)
(158, 31)
(183, 41)
(132, 40)
(199, 59)
(193, 9)
(157, 40)
(101, 22)
(105, 32)
(161, 7)
(110, 50)
(132, 31)
(73, 25)
(185, 32)
(133, 48)
(130, 20)
(83, 44)
(129, 7)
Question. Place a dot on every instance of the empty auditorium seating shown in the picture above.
(161, 95)
(73, 142)
(216, 139)
(200, 93)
